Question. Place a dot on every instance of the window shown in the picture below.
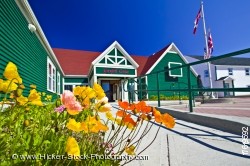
(206, 73)
(247, 72)
(51, 76)
(230, 71)
(58, 83)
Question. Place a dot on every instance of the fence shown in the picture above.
(189, 89)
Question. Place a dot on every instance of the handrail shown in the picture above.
(190, 89)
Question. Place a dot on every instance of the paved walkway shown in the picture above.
(189, 144)
(239, 107)
(193, 144)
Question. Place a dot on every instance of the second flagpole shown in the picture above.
(207, 50)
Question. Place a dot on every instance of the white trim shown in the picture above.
(74, 76)
(31, 18)
(115, 66)
(233, 66)
(116, 45)
(51, 78)
(58, 81)
(63, 85)
(169, 66)
(75, 83)
(158, 60)
(169, 49)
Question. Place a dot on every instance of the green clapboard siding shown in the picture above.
(168, 83)
(22, 47)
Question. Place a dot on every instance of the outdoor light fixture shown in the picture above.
(32, 27)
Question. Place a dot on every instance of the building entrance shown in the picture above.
(111, 89)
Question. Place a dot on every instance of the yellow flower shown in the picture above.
(78, 90)
(72, 147)
(103, 105)
(73, 125)
(99, 91)
(32, 86)
(130, 150)
(48, 97)
(35, 98)
(7, 85)
(91, 124)
(110, 116)
(11, 72)
(22, 100)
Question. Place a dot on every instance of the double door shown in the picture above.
(111, 89)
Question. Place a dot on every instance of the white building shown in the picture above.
(226, 73)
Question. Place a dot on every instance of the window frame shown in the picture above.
(58, 88)
(230, 71)
(206, 73)
(247, 71)
(51, 76)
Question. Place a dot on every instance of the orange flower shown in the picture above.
(121, 113)
(168, 120)
(129, 121)
(124, 104)
(157, 115)
(144, 116)
(146, 109)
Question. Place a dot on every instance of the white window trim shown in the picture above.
(169, 66)
(58, 83)
(232, 73)
(52, 80)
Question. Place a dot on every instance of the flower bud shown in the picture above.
(26, 123)
(19, 92)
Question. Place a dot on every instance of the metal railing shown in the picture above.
(190, 90)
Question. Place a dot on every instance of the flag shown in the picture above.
(210, 43)
(196, 21)
(210, 46)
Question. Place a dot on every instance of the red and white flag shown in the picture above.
(196, 21)
(210, 46)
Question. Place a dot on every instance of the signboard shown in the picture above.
(119, 71)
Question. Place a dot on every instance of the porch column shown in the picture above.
(233, 87)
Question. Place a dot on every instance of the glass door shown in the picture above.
(108, 89)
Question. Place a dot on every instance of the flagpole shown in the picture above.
(207, 50)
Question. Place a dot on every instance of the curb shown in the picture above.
(213, 122)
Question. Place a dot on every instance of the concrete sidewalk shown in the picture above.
(189, 144)
(193, 143)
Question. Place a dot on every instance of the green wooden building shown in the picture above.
(54, 70)
(23, 42)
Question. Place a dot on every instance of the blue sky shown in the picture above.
(143, 27)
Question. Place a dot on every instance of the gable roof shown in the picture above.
(142, 61)
(225, 78)
(115, 44)
(237, 61)
(160, 54)
(152, 59)
(75, 62)
(79, 62)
